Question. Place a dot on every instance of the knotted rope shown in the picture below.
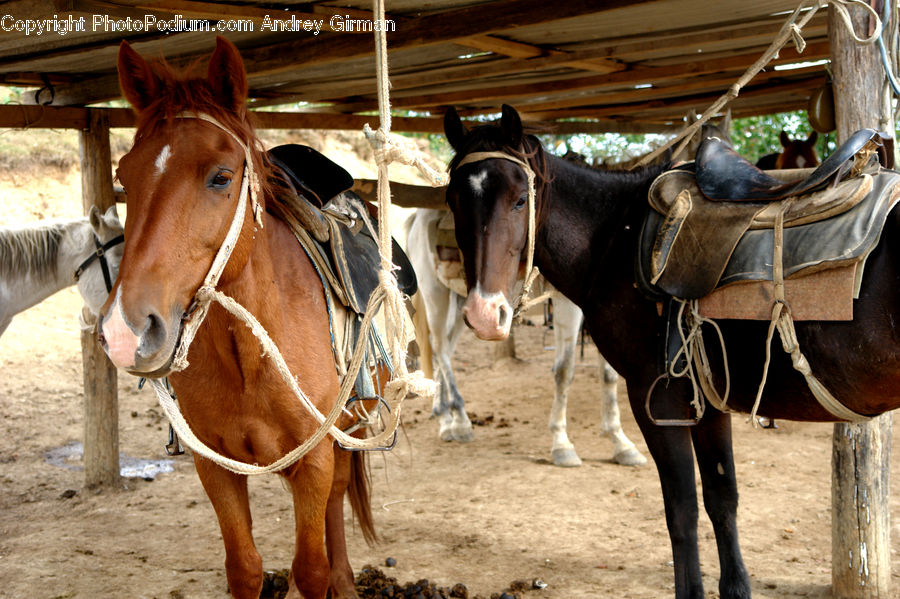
(790, 32)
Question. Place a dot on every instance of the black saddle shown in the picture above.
(318, 197)
(725, 175)
(315, 175)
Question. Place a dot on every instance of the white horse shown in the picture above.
(444, 319)
(39, 260)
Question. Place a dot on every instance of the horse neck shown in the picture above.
(44, 272)
(589, 224)
(256, 287)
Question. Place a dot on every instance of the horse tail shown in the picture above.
(359, 494)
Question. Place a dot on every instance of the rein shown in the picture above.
(100, 254)
(522, 302)
(197, 312)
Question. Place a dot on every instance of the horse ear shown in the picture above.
(511, 125)
(454, 129)
(138, 82)
(226, 75)
(95, 218)
(812, 137)
(785, 140)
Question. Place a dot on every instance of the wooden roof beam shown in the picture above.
(437, 28)
(618, 80)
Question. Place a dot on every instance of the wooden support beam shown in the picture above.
(403, 194)
(101, 404)
(48, 117)
(860, 477)
(497, 45)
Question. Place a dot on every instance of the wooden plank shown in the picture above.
(860, 462)
(616, 53)
(101, 404)
(403, 194)
(426, 30)
(551, 85)
(497, 45)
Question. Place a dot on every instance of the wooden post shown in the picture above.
(860, 484)
(505, 349)
(101, 405)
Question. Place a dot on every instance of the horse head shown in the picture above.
(488, 195)
(183, 180)
(797, 153)
(95, 286)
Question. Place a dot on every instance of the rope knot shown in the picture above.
(390, 148)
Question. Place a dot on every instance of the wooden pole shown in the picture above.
(860, 484)
(101, 405)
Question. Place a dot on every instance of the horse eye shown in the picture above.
(520, 203)
(221, 179)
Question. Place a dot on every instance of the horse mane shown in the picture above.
(31, 251)
(186, 90)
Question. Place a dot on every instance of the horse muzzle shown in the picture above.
(142, 346)
(490, 317)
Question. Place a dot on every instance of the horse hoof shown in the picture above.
(565, 457)
(446, 434)
(630, 457)
(463, 434)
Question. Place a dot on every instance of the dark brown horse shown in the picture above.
(586, 238)
(795, 153)
(183, 178)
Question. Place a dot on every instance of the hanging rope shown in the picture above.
(790, 32)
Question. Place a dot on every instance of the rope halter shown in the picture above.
(531, 271)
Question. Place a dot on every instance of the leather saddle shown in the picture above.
(726, 176)
(715, 226)
(313, 196)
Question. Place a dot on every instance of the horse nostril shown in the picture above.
(154, 335)
(504, 316)
(466, 320)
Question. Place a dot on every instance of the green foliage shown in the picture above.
(752, 137)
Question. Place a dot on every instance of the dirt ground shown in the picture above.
(484, 514)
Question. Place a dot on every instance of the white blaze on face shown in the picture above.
(162, 159)
(801, 162)
(477, 182)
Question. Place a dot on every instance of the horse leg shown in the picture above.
(460, 425)
(341, 583)
(566, 323)
(624, 451)
(670, 448)
(227, 492)
(311, 486)
(712, 443)
(567, 318)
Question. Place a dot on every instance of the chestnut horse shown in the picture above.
(795, 153)
(587, 229)
(183, 177)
